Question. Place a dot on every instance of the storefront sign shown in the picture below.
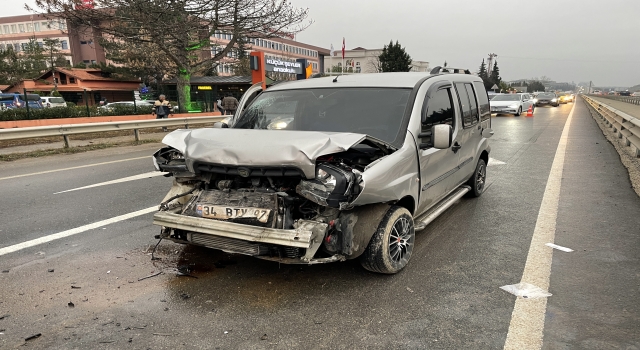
(200, 87)
(275, 65)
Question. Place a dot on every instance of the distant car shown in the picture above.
(625, 93)
(51, 101)
(8, 101)
(547, 98)
(511, 104)
(636, 94)
(564, 98)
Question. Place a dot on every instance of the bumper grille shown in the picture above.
(228, 245)
(249, 171)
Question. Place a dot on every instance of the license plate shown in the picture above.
(225, 213)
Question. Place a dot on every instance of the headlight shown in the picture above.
(554, 100)
(328, 180)
(334, 186)
(535, 100)
(513, 106)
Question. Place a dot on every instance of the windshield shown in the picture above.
(376, 112)
(547, 95)
(506, 98)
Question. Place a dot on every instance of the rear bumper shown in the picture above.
(306, 233)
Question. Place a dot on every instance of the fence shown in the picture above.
(623, 125)
(74, 129)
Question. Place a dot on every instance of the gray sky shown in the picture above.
(565, 40)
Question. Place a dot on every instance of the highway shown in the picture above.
(77, 284)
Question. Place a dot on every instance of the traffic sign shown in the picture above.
(495, 86)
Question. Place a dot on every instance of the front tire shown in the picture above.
(519, 111)
(391, 246)
(478, 180)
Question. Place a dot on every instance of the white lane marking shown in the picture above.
(124, 179)
(74, 231)
(559, 247)
(527, 320)
(72, 168)
(493, 161)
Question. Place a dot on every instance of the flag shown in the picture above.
(332, 53)
(343, 48)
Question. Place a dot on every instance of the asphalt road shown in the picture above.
(83, 290)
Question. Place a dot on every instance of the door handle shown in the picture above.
(456, 146)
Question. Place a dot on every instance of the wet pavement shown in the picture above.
(89, 290)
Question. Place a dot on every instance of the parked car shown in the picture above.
(51, 101)
(547, 98)
(8, 101)
(511, 104)
(342, 177)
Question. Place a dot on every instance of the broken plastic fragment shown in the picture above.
(555, 246)
(526, 290)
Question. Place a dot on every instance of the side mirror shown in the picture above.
(220, 125)
(487, 133)
(441, 136)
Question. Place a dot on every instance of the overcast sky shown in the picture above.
(565, 40)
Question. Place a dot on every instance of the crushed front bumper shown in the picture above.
(246, 239)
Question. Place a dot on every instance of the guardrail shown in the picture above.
(628, 99)
(74, 129)
(624, 126)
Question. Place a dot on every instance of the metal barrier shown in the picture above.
(85, 128)
(628, 99)
(624, 126)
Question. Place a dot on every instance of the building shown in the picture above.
(361, 60)
(273, 48)
(74, 83)
(77, 44)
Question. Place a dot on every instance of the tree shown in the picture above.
(482, 73)
(495, 78)
(394, 58)
(535, 86)
(178, 34)
(374, 64)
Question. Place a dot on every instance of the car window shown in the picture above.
(473, 103)
(56, 99)
(483, 100)
(439, 111)
(506, 98)
(467, 112)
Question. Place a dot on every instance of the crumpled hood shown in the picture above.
(259, 148)
(503, 103)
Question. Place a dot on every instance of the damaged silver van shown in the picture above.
(329, 169)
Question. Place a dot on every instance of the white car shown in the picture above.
(511, 104)
(51, 101)
(636, 94)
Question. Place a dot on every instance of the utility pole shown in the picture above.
(492, 56)
(589, 91)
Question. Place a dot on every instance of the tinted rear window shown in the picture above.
(56, 99)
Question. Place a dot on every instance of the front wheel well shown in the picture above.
(485, 156)
(408, 203)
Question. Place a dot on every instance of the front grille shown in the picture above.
(248, 171)
(229, 245)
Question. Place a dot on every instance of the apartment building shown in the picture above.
(77, 44)
(274, 48)
(361, 60)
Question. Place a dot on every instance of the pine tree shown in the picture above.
(394, 58)
(482, 73)
(495, 75)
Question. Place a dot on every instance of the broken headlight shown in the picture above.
(333, 186)
(170, 160)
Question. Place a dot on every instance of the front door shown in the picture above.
(437, 166)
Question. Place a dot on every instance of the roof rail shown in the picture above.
(439, 69)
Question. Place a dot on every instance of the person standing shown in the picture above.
(161, 109)
(230, 104)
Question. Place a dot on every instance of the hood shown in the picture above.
(261, 148)
(503, 103)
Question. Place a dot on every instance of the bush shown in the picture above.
(71, 111)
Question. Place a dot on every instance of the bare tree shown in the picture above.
(180, 31)
(374, 64)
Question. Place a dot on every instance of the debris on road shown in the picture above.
(526, 290)
(70, 304)
(37, 335)
(5, 271)
(75, 287)
(264, 337)
(4, 316)
(185, 296)
(50, 270)
(410, 290)
(555, 246)
(152, 275)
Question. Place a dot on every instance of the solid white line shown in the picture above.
(124, 179)
(527, 320)
(72, 168)
(63, 234)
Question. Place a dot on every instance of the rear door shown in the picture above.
(471, 133)
(437, 165)
(483, 104)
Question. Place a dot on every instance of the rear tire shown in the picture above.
(477, 182)
(391, 246)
